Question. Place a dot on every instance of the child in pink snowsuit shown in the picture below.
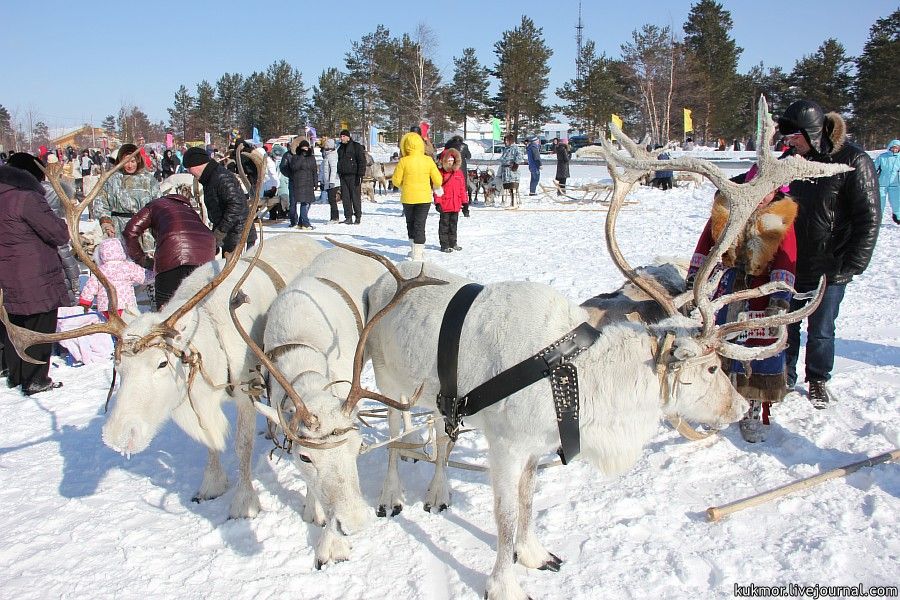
(122, 274)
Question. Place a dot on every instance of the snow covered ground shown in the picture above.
(80, 521)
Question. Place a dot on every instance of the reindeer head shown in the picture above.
(157, 366)
(319, 421)
(689, 358)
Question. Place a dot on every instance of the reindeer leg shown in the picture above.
(529, 551)
(245, 503)
(438, 493)
(506, 472)
(214, 480)
(391, 491)
(313, 511)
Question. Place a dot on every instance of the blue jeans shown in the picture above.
(304, 214)
(535, 178)
(292, 206)
(819, 336)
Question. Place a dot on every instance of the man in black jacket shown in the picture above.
(351, 167)
(836, 228)
(226, 203)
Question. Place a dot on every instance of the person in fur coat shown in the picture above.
(765, 251)
(454, 198)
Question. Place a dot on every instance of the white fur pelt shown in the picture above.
(154, 383)
(318, 331)
(619, 390)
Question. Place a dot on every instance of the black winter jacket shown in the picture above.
(351, 159)
(837, 225)
(303, 173)
(226, 204)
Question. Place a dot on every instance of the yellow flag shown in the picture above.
(688, 121)
(618, 121)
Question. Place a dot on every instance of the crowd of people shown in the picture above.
(799, 233)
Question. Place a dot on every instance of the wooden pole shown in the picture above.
(715, 513)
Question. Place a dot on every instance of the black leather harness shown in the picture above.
(554, 362)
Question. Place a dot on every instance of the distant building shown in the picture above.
(83, 137)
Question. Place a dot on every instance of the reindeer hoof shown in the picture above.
(442, 508)
(396, 510)
(552, 565)
(427, 508)
(196, 499)
(380, 511)
(319, 565)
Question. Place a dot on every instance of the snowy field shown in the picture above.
(80, 521)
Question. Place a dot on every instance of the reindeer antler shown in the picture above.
(404, 285)
(167, 327)
(238, 298)
(21, 338)
(742, 201)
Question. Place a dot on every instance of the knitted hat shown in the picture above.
(194, 157)
(345, 132)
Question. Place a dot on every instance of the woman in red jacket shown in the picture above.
(452, 201)
(183, 242)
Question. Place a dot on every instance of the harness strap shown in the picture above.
(346, 298)
(274, 276)
(553, 362)
(530, 370)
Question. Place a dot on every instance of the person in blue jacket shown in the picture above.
(887, 166)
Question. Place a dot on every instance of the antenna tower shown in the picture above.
(579, 66)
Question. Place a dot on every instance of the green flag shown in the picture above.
(495, 123)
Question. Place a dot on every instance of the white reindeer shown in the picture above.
(627, 378)
(187, 360)
(311, 336)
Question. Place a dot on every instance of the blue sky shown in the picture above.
(53, 49)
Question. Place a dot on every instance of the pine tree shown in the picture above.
(522, 70)
(468, 95)
(179, 116)
(331, 102)
(134, 124)
(40, 135)
(109, 124)
(362, 64)
(284, 101)
(824, 77)
(206, 109)
(592, 99)
(878, 78)
(713, 57)
(7, 138)
(229, 90)
(254, 100)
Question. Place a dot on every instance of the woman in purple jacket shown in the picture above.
(183, 242)
(31, 273)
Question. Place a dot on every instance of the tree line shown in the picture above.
(392, 81)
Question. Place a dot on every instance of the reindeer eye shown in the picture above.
(713, 369)
(163, 364)
(304, 458)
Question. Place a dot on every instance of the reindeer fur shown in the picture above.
(315, 316)
(619, 389)
(154, 382)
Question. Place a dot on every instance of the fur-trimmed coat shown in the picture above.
(766, 250)
(837, 225)
(454, 183)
